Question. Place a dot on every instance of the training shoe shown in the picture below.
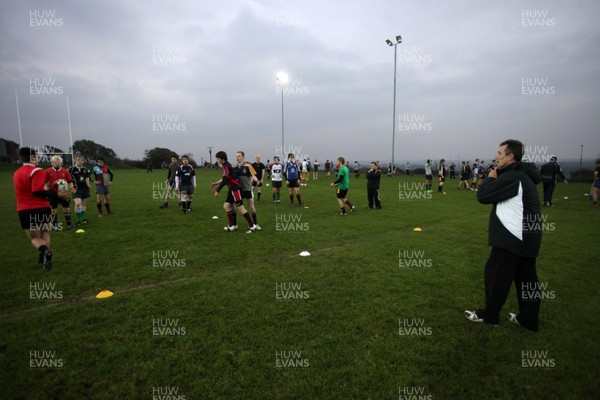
(46, 260)
(165, 205)
(231, 228)
(512, 317)
(343, 213)
(257, 226)
(85, 221)
(352, 209)
(253, 228)
(99, 215)
(472, 316)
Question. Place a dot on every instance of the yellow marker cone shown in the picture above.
(104, 294)
(417, 229)
(79, 231)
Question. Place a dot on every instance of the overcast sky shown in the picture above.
(191, 74)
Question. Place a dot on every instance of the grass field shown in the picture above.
(376, 311)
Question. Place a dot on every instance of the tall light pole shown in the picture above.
(390, 43)
(282, 78)
(580, 163)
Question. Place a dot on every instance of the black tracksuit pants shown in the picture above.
(548, 191)
(501, 269)
(373, 195)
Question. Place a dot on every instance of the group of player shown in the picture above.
(39, 192)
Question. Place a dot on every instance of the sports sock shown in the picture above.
(348, 203)
(249, 219)
(299, 199)
(107, 205)
(189, 204)
(230, 218)
(68, 218)
(99, 207)
(292, 198)
(343, 210)
(254, 218)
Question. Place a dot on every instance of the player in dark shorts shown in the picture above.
(260, 169)
(276, 179)
(103, 177)
(234, 196)
(291, 171)
(343, 184)
(596, 185)
(171, 184)
(81, 183)
(53, 174)
(185, 179)
(441, 175)
(32, 205)
(247, 176)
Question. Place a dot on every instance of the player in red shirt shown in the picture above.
(234, 195)
(32, 205)
(53, 174)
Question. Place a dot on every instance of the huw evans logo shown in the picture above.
(413, 259)
(413, 327)
(167, 327)
(41, 291)
(290, 359)
(167, 259)
(167, 393)
(536, 359)
(290, 291)
(414, 393)
(290, 223)
(44, 359)
(44, 19)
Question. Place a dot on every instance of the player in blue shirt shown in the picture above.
(291, 172)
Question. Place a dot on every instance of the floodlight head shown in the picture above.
(399, 39)
(389, 42)
(282, 77)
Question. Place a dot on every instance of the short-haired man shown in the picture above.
(343, 184)
(32, 204)
(373, 183)
(171, 181)
(515, 235)
(260, 169)
(229, 178)
(550, 173)
(185, 182)
(292, 179)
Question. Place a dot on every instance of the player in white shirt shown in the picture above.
(428, 175)
(276, 179)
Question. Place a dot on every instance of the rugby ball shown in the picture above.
(62, 185)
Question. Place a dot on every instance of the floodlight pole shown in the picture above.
(19, 120)
(389, 42)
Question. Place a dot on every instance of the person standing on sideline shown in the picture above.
(356, 168)
(428, 175)
(515, 235)
(260, 168)
(276, 179)
(550, 173)
(171, 184)
(373, 181)
(33, 207)
(343, 184)
(327, 168)
(407, 168)
(441, 175)
(316, 166)
(103, 177)
(81, 182)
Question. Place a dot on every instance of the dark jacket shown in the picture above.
(551, 171)
(516, 218)
(373, 178)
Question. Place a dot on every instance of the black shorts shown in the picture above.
(247, 194)
(83, 193)
(234, 197)
(55, 201)
(35, 219)
(428, 177)
(277, 184)
(293, 183)
(341, 193)
(187, 189)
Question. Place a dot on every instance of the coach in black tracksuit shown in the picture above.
(515, 234)
(373, 181)
(550, 172)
